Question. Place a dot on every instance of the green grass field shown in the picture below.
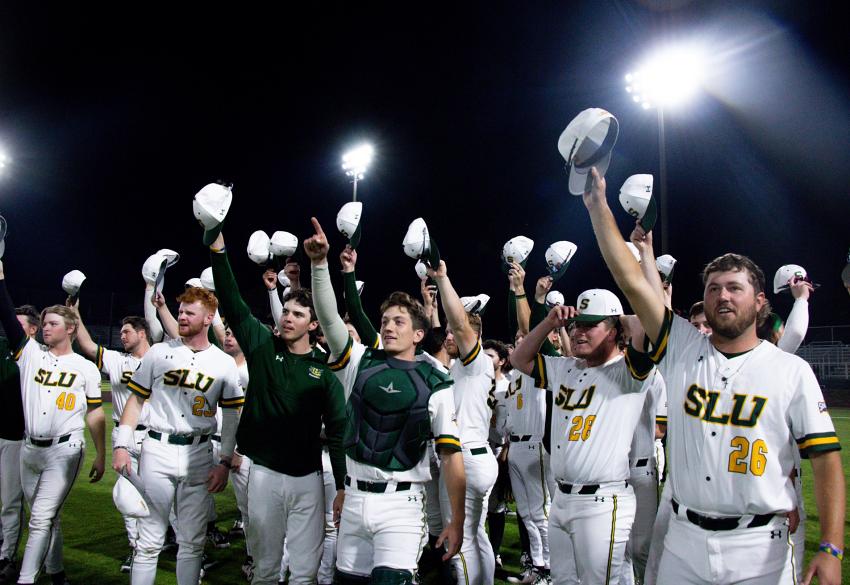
(95, 541)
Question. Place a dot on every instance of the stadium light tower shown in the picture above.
(667, 79)
(356, 161)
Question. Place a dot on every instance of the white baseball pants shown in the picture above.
(280, 504)
(659, 533)
(528, 465)
(47, 474)
(644, 481)
(381, 530)
(755, 556)
(328, 562)
(174, 476)
(12, 496)
(239, 478)
(432, 495)
(589, 534)
(475, 564)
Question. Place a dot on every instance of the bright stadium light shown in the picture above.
(4, 162)
(356, 161)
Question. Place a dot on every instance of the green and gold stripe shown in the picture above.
(138, 390)
(448, 441)
(94, 401)
(659, 348)
(472, 354)
(538, 372)
(818, 443)
(344, 358)
(231, 402)
(98, 360)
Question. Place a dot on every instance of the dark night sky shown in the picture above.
(114, 119)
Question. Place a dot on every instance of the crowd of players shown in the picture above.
(374, 453)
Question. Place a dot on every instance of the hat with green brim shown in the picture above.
(595, 305)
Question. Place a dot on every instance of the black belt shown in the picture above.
(520, 439)
(478, 451)
(642, 462)
(138, 427)
(585, 490)
(216, 438)
(179, 439)
(50, 442)
(377, 487)
(727, 523)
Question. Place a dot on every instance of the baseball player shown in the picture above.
(120, 367)
(60, 391)
(599, 399)
(497, 505)
(383, 529)
(473, 375)
(696, 316)
(11, 440)
(184, 381)
(292, 394)
(735, 406)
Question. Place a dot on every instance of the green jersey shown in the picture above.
(291, 395)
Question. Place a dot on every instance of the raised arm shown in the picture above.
(368, 335)
(643, 242)
(517, 299)
(539, 312)
(169, 323)
(270, 282)
(150, 315)
(324, 301)
(14, 332)
(525, 353)
(83, 339)
(798, 321)
(429, 301)
(624, 268)
(465, 336)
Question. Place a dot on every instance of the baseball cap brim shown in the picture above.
(354, 240)
(667, 277)
(160, 276)
(507, 267)
(3, 227)
(433, 255)
(588, 318)
(211, 234)
(650, 216)
(557, 274)
(581, 180)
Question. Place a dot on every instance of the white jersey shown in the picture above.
(654, 411)
(119, 367)
(594, 414)
(473, 376)
(55, 390)
(733, 420)
(184, 387)
(441, 409)
(526, 406)
(497, 401)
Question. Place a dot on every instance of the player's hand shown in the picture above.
(544, 283)
(158, 300)
(339, 500)
(270, 279)
(441, 271)
(217, 478)
(516, 278)
(801, 289)
(559, 314)
(452, 537)
(826, 567)
(640, 238)
(348, 258)
(292, 270)
(596, 196)
(793, 520)
(235, 462)
(73, 303)
(316, 246)
(121, 461)
(97, 469)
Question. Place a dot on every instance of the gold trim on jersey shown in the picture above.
(98, 358)
(94, 401)
(344, 358)
(540, 378)
(635, 373)
(661, 419)
(135, 388)
(472, 354)
(818, 442)
(660, 347)
(377, 343)
(231, 402)
(447, 441)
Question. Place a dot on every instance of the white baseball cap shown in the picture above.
(558, 257)
(283, 244)
(153, 270)
(419, 245)
(72, 282)
(211, 205)
(128, 498)
(421, 269)
(636, 198)
(170, 255)
(207, 279)
(517, 249)
(783, 277)
(259, 247)
(348, 221)
(283, 279)
(597, 304)
(633, 249)
(3, 230)
(665, 265)
(194, 283)
(475, 304)
(554, 298)
(586, 142)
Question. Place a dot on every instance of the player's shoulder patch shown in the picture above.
(314, 372)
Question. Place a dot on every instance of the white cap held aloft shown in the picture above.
(72, 282)
(210, 206)
(517, 249)
(785, 275)
(554, 298)
(348, 221)
(636, 198)
(207, 279)
(283, 244)
(665, 265)
(259, 247)
(558, 257)
(476, 304)
(586, 142)
(419, 245)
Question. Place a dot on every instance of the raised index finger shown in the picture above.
(317, 226)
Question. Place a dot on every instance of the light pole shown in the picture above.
(355, 162)
(667, 79)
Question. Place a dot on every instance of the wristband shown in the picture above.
(124, 437)
(215, 250)
(116, 447)
(518, 297)
(831, 549)
(226, 463)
